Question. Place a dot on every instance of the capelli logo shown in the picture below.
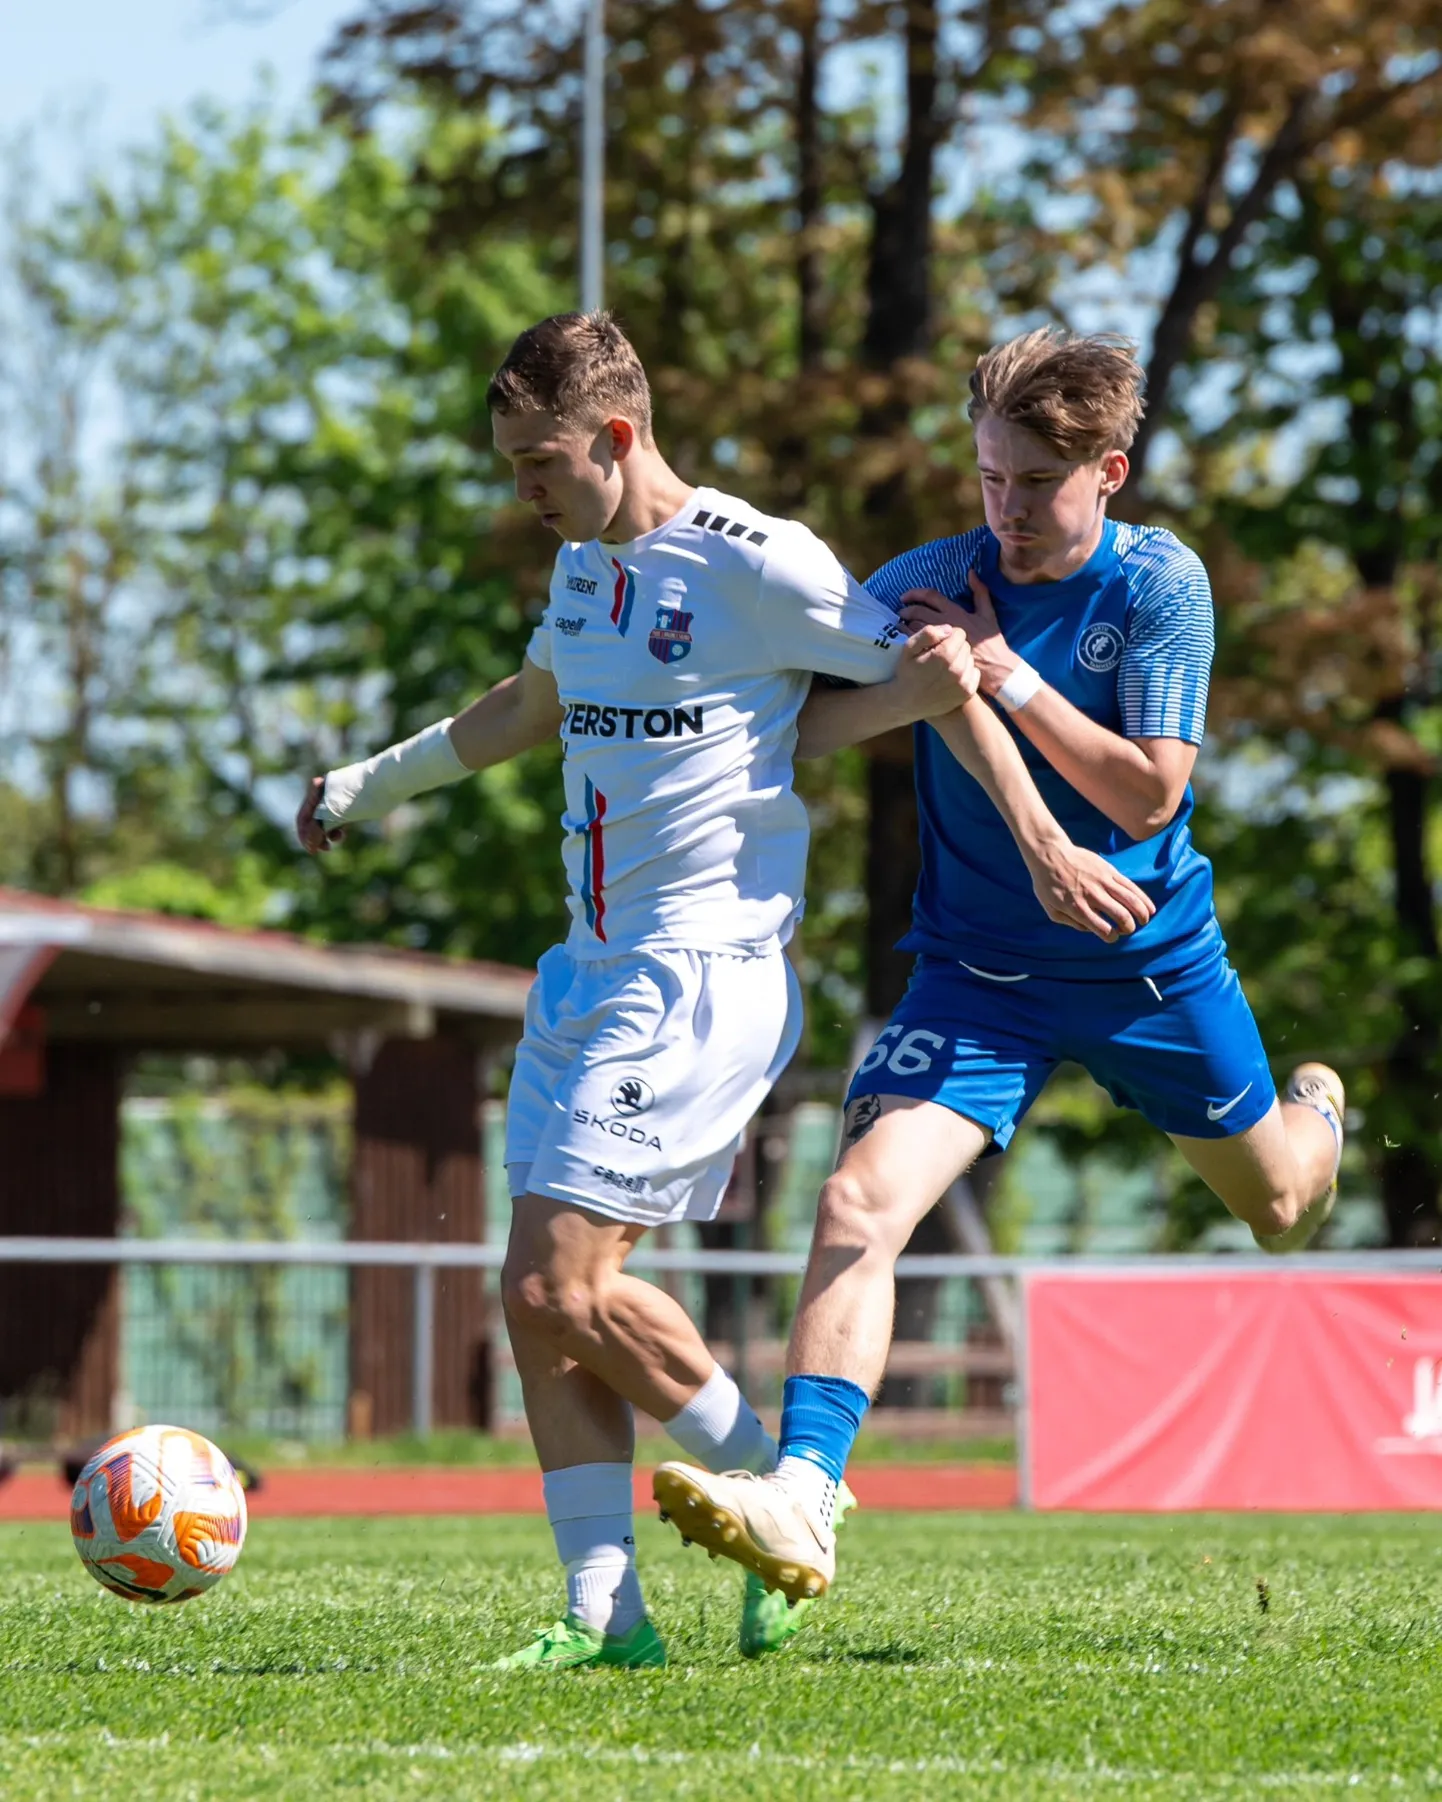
(633, 1185)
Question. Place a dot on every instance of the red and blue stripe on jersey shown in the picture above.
(593, 865)
(624, 598)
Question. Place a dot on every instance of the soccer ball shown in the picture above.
(158, 1515)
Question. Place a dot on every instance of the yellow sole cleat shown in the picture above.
(703, 1518)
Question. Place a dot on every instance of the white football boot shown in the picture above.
(1315, 1086)
(755, 1521)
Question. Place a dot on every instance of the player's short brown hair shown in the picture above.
(581, 367)
(1081, 394)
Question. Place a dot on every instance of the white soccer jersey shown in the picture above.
(682, 660)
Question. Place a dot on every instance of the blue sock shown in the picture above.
(820, 1418)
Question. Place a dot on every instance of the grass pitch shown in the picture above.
(972, 1656)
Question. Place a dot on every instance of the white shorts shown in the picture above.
(637, 1076)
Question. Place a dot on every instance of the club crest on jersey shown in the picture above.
(670, 638)
(1099, 646)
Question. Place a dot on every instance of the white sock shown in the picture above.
(721, 1429)
(1330, 1115)
(589, 1507)
(811, 1485)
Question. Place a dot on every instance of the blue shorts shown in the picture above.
(1184, 1051)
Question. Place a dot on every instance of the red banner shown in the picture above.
(1265, 1389)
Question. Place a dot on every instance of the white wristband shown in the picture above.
(1020, 686)
(369, 790)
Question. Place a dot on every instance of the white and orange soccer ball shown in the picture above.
(158, 1515)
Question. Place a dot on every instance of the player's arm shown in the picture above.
(1075, 886)
(514, 716)
(933, 674)
(1138, 780)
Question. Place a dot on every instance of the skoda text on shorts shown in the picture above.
(1094, 640)
(675, 661)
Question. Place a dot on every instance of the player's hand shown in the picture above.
(1080, 889)
(313, 836)
(937, 672)
(995, 659)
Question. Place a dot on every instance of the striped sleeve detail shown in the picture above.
(1167, 664)
(943, 565)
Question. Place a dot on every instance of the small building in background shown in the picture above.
(85, 991)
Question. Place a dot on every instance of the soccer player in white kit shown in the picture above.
(675, 658)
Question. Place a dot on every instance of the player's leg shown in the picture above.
(1185, 1052)
(642, 1128)
(590, 1340)
(899, 1156)
(646, 1347)
(923, 1106)
(864, 1221)
(564, 1289)
(1280, 1176)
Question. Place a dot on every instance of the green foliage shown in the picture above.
(312, 512)
(996, 1657)
(245, 899)
(304, 547)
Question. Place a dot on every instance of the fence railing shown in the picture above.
(425, 1259)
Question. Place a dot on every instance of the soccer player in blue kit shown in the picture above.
(1094, 639)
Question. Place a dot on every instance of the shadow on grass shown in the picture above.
(871, 1655)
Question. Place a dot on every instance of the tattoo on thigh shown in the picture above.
(861, 1116)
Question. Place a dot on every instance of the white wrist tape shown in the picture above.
(370, 790)
(1020, 686)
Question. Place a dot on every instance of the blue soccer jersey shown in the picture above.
(1128, 640)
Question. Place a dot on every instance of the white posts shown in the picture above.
(593, 160)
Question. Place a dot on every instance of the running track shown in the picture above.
(291, 1494)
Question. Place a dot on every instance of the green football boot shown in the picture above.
(768, 1620)
(569, 1645)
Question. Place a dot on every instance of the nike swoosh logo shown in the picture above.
(1220, 1113)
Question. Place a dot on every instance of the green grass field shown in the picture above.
(976, 1656)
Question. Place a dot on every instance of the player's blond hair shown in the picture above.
(580, 367)
(1082, 394)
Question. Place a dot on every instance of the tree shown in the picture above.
(1191, 129)
(67, 547)
(319, 560)
(1343, 669)
(779, 265)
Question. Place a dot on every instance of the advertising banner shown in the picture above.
(1287, 1389)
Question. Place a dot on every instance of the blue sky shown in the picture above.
(112, 67)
